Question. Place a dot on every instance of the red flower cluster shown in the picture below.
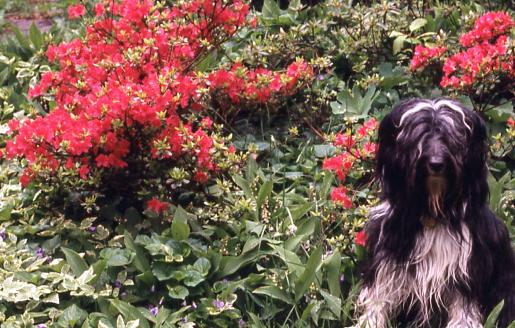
(240, 83)
(423, 56)
(157, 206)
(361, 238)
(128, 89)
(485, 54)
(463, 69)
(487, 28)
(76, 11)
(350, 149)
(339, 196)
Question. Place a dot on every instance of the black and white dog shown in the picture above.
(438, 256)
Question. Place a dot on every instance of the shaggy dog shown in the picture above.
(439, 257)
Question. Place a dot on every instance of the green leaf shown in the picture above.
(500, 113)
(368, 100)
(130, 312)
(307, 277)
(164, 271)
(178, 292)
(337, 108)
(140, 260)
(323, 151)
(117, 256)
(202, 265)
(271, 9)
(36, 37)
(5, 212)
(274, 292)
(73, 316)
(192, 278)
(492, 317)
(23, 41)
(244, 185)
(208, 62)
(333, 273)
(299, 211)
(264, 192)
(334, 303)
(180, 227)
(75, 261)
(4, 75)
(417, 24)
(256, 321)
(398, 44)
(295, 266)
(231, 264)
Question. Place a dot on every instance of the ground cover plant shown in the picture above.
(210, 163)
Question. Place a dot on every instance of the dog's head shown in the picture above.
(432, 154)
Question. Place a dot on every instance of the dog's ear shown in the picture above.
(475, 169)
(387, 172)
(386, 140)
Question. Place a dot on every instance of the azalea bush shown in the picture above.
(482, 65)
(129, 99)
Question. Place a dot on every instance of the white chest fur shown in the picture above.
(438, 261)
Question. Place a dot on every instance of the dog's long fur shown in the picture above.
(438, 256)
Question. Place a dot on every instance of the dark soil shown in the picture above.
(33, 15)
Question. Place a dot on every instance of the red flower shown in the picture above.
(344, 140)
(157, 206)
(423, 56)
(76, 11)
(99, 9)
(487, 27)
(361, 238)
(26, 178)
(201, 177)
(339, 164)
(511, 122)
(339, 196)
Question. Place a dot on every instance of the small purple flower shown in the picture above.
(320, 77)
(154, 310)
(241, 323)
(184, 303)
(193, 305)
(218, 304)
(41, 325)
(92, 229)
(3, 235)
(49, 259)
(342, 278)
(152, 289)
(117, 284)
(40, 252)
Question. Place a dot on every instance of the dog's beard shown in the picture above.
(436, 187)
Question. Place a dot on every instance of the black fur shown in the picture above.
(402, 160)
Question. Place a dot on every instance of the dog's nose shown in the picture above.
(436, 165)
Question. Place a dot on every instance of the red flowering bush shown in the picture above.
(353, 148)
(423, 56)
(76, 11)
(128, 96)
(485, 56)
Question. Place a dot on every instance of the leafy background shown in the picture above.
(263, 247)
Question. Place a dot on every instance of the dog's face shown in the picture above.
(426, 151)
